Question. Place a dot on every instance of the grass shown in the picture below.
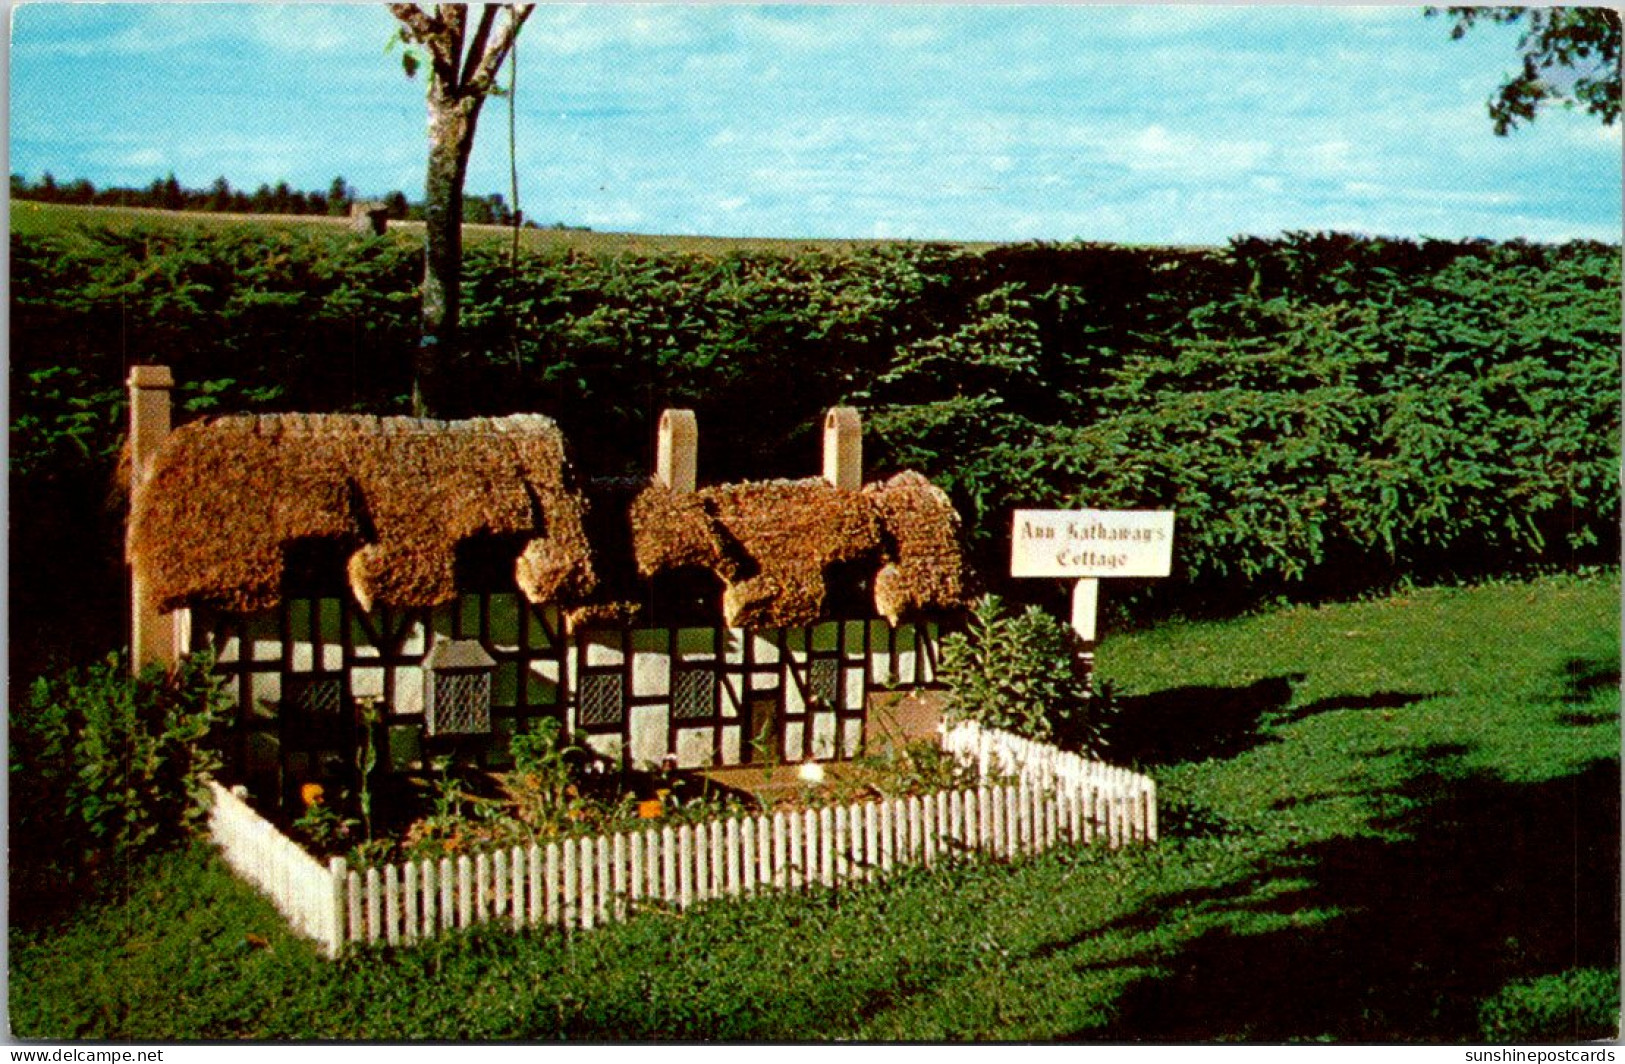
(1394, 820)
(30, 218)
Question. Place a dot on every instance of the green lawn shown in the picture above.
(1386, 821)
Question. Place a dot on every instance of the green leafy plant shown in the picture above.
(366, 759)
(1581, 1004)
(764, 746)
(324, 826)
(105, 764)
(541, 786)
(1015, 672)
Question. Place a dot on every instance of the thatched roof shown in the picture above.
(225, 498)
(773, 545)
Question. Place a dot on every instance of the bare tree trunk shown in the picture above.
(458, 86)
(451, 138)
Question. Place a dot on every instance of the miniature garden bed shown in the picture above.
(996, 795)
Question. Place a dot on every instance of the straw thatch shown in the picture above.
(225, 499)
(773, 544)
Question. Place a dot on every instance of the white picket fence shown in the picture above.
(584, 882)
(302, 890)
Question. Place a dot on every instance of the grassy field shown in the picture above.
(60, 219)
(1394, 820)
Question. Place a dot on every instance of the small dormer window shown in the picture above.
(457, 688)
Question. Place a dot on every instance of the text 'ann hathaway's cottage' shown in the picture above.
(454, 579)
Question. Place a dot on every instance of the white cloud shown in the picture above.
(1156, 150)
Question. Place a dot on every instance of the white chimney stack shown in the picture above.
(843, 448)
(152, 637)
(677, 450)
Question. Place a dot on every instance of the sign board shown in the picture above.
(1092, 543)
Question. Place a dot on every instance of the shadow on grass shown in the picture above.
(1379, 700)
(1492, 881)
(1196, 723)
(1583, 680)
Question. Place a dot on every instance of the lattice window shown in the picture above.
(694, 695)
(601, 699)
(457, 688)
(824, 678)
(459, 703)
(315, 696)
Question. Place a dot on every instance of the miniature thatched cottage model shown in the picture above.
(453, 579)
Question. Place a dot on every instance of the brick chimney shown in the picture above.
(843, 448)
(152, 636)
(677, 450)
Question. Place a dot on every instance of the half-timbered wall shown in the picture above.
(644, 696)
(728, 696)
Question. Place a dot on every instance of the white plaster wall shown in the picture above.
(824, 736)
(367, 681)
(694, 748)
(649, 735)
(266, 687)
(879, 660)
(733, 694)
(651, 668)
(416, 641)
(905, 653)
(606, 745)
(852, 738)
(408, 689)
(604, 648)
(853, 694)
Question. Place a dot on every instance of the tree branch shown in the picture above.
(491, 61)
(455, 19)
(417, 21)
(476, 48)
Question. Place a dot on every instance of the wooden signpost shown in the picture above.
(1088, 545)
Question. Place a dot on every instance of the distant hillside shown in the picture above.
(31, 218)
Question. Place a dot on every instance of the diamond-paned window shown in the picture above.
(457, 688)
(824, 680)
(316, 696)
(601, 699)
(694, 695)
(461, 704)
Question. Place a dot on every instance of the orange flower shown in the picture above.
(311, 794)
(650, 809)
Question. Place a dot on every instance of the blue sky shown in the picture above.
(1147, 124)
